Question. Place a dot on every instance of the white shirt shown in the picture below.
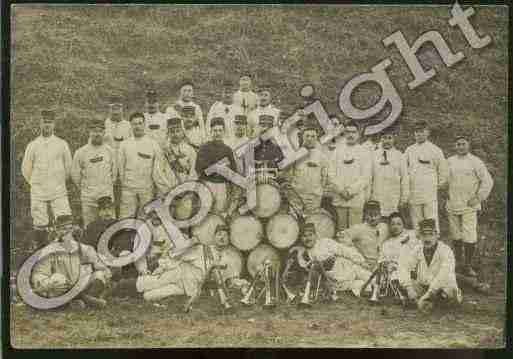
(247, 101)
(427, 169)
(46, 165)
(196, 134)
(392, 248)
(390, 182)
(269, 110)
(136, 160)
(156, 126)
(117, 132)
(350, 169)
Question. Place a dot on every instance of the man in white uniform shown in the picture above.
(137, 168)
(117, 129)
(309, 176)
(225, 109)
(350, 169)
(154, 119)
(390, 182)
(265, 107)
(191, 114)
(57, 273)
(433, 263)
(94, 171)
(240, 133)
(470, 184)
(400, 240)
(427, 169)
(244, 98)
(46, 166)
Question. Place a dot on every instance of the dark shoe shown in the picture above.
(469, 271)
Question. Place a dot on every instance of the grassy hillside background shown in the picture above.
(73, 58)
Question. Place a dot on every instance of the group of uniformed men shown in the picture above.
(366, 186)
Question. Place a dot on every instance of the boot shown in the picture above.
(458, 255)
(469, 254)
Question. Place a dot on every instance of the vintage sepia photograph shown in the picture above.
(260, 176)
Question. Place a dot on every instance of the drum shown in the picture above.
(264, 173)
(268, 200)
(282, 230)
(232, 257)
(206, 229)
(258, 255)
(324, 224)
(246, 232)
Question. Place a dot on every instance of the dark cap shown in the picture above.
(311, 123)
(462, 135)
(390, 130)
(352, 123)
(240, 119)
(216, 121)
(136, 115)
(309, 227)
(104, 202)
(372, 205)
(48, 115)
(96, 123)
(186, 82)
(222, 227)
(227, 84)
(264, 88)
(421, 125)
(427, 226)
(174, 122)
(151, 96)
(63, 220)
(266, 120)
(188, 111)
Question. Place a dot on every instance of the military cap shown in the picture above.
(352, 123)
(264, 88)
(421, 125)
(390, 130)
(188, 111)
(240, 119)
(266, 120)
(311, 123)
(104, 202)
(308, 227)
(227, 83)
(222, 227)
(48, 115)
(96, 123)
(216, 121)
(372, 205)
(186, 82)
(427, 226)
(151, 96)
(245, 74)
(462, 135)
(174, 122)
(63, 220)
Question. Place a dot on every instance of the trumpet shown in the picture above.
(270, 301)
(290, 295)
(246, 300)
(218, 277)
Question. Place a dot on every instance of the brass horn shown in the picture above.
(305, 300)
(290, 296)
(270, 301)
(247, 297)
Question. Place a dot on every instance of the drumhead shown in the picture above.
(232, 257)
(258, 255)
(282, 230)
(268, 200)
(206, 229)
(324, 224)
(246, 232)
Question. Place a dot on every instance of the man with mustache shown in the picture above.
(94, 171)
(433, 263)
(427, 170)
(350, 168)
(46, 166)
(390, 181)
(470, 184)
(138, 171)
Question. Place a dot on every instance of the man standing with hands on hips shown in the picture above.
(470, 184)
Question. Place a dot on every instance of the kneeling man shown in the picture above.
(434, 265)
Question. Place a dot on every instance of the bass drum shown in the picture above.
(232, 257)
(206, 229)
(268, 200)
(282, 230)
(324, 224)
(258, 256)
(246, 232)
